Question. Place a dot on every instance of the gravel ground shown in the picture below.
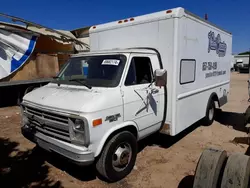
(162, 162)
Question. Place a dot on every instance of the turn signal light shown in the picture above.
(169, 11)
(97, 122)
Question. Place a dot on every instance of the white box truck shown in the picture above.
(157, 72)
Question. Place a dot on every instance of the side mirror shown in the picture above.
(160, 77)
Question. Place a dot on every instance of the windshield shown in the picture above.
(96, 71)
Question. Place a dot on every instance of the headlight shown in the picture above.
(77, 131)
(79, 126)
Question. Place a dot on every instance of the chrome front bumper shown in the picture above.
(77, 154)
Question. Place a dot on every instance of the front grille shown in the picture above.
(48, 123)
(48, 115)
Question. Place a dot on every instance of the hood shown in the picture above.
(76, 99)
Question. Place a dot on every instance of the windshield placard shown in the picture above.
(114, 62)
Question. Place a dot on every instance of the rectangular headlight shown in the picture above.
(78, 129)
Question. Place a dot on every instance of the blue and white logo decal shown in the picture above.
(15, 50)
(214, 43)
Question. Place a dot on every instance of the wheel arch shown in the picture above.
(213, 97)
(127, 126)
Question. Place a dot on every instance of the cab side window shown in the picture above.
(140, 71)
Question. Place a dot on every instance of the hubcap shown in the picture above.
(122, 156)
(211, 113)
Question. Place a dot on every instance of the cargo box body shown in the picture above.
(196, 54)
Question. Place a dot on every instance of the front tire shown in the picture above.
(118, 157)
(210, 114)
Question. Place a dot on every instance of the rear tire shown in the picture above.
(209, 168)
(118, 157)
(210, 114)
(237, 171)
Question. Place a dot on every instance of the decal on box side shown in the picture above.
(215, 43)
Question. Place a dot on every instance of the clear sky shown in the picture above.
(232, 15)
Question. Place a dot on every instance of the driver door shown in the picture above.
(143, 102)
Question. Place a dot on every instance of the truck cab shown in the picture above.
(98, 107)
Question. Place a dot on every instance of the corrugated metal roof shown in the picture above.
(59, 35)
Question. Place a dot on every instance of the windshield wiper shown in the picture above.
(80, 81)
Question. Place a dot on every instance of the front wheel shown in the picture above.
(118, 157)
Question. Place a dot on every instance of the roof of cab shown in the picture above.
(116, 51)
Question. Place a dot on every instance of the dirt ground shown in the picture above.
(162, 162)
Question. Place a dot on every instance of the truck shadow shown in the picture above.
(234, 119)
(23, 168)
